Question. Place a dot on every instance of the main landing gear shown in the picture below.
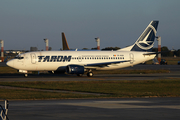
(89, 73)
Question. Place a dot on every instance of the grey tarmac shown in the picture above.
(96, 109)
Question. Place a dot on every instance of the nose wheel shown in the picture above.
(26, 75)
(89, 74)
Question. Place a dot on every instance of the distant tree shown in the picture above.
(165, 52)
(85, 49)
(164, 48)
(111, 48)
(154, 49)
(94, 48)
(50, 48)
(177, 52)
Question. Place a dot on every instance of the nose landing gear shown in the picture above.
(89, 73)
(25, 75)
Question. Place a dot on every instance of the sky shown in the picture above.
(118, 23)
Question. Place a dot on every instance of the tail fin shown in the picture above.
(64, 42)
(146, 41)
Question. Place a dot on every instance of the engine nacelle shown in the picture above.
(75, 69)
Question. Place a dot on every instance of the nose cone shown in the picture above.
(10, 63)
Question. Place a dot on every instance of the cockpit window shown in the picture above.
(19, 57)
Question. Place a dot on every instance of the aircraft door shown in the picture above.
(131, 55)
(33, 58)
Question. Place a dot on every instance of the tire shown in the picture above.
(89, 74)
(25, 75)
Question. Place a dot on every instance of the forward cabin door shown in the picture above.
(33, 58)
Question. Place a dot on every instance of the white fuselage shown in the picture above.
(53, 60)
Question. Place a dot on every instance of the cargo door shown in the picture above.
(131, 55)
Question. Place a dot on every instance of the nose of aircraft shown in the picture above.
(10, 63)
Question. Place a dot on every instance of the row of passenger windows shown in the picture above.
(97, 58)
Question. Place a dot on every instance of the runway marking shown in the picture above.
(121, 105)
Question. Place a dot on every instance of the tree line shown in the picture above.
(165, 52)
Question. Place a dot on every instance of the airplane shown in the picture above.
(80, 62)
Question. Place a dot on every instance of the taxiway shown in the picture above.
(96, 109)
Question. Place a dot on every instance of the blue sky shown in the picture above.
(118, 23)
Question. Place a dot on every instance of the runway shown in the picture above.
(96, 109)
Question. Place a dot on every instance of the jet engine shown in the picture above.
(75, 69)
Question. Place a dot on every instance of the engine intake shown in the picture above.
(75, 69)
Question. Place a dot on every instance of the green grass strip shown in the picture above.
(16, 94)
(131, 88)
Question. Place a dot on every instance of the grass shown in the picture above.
(131, 71)
(4, 70)
(170, 60)
(15, 94)
(112, 89)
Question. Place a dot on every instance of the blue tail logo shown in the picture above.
(146, 41)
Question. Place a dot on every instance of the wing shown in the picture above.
(105, 63)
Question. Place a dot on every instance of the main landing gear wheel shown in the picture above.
(25, 75)
(89, 74)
